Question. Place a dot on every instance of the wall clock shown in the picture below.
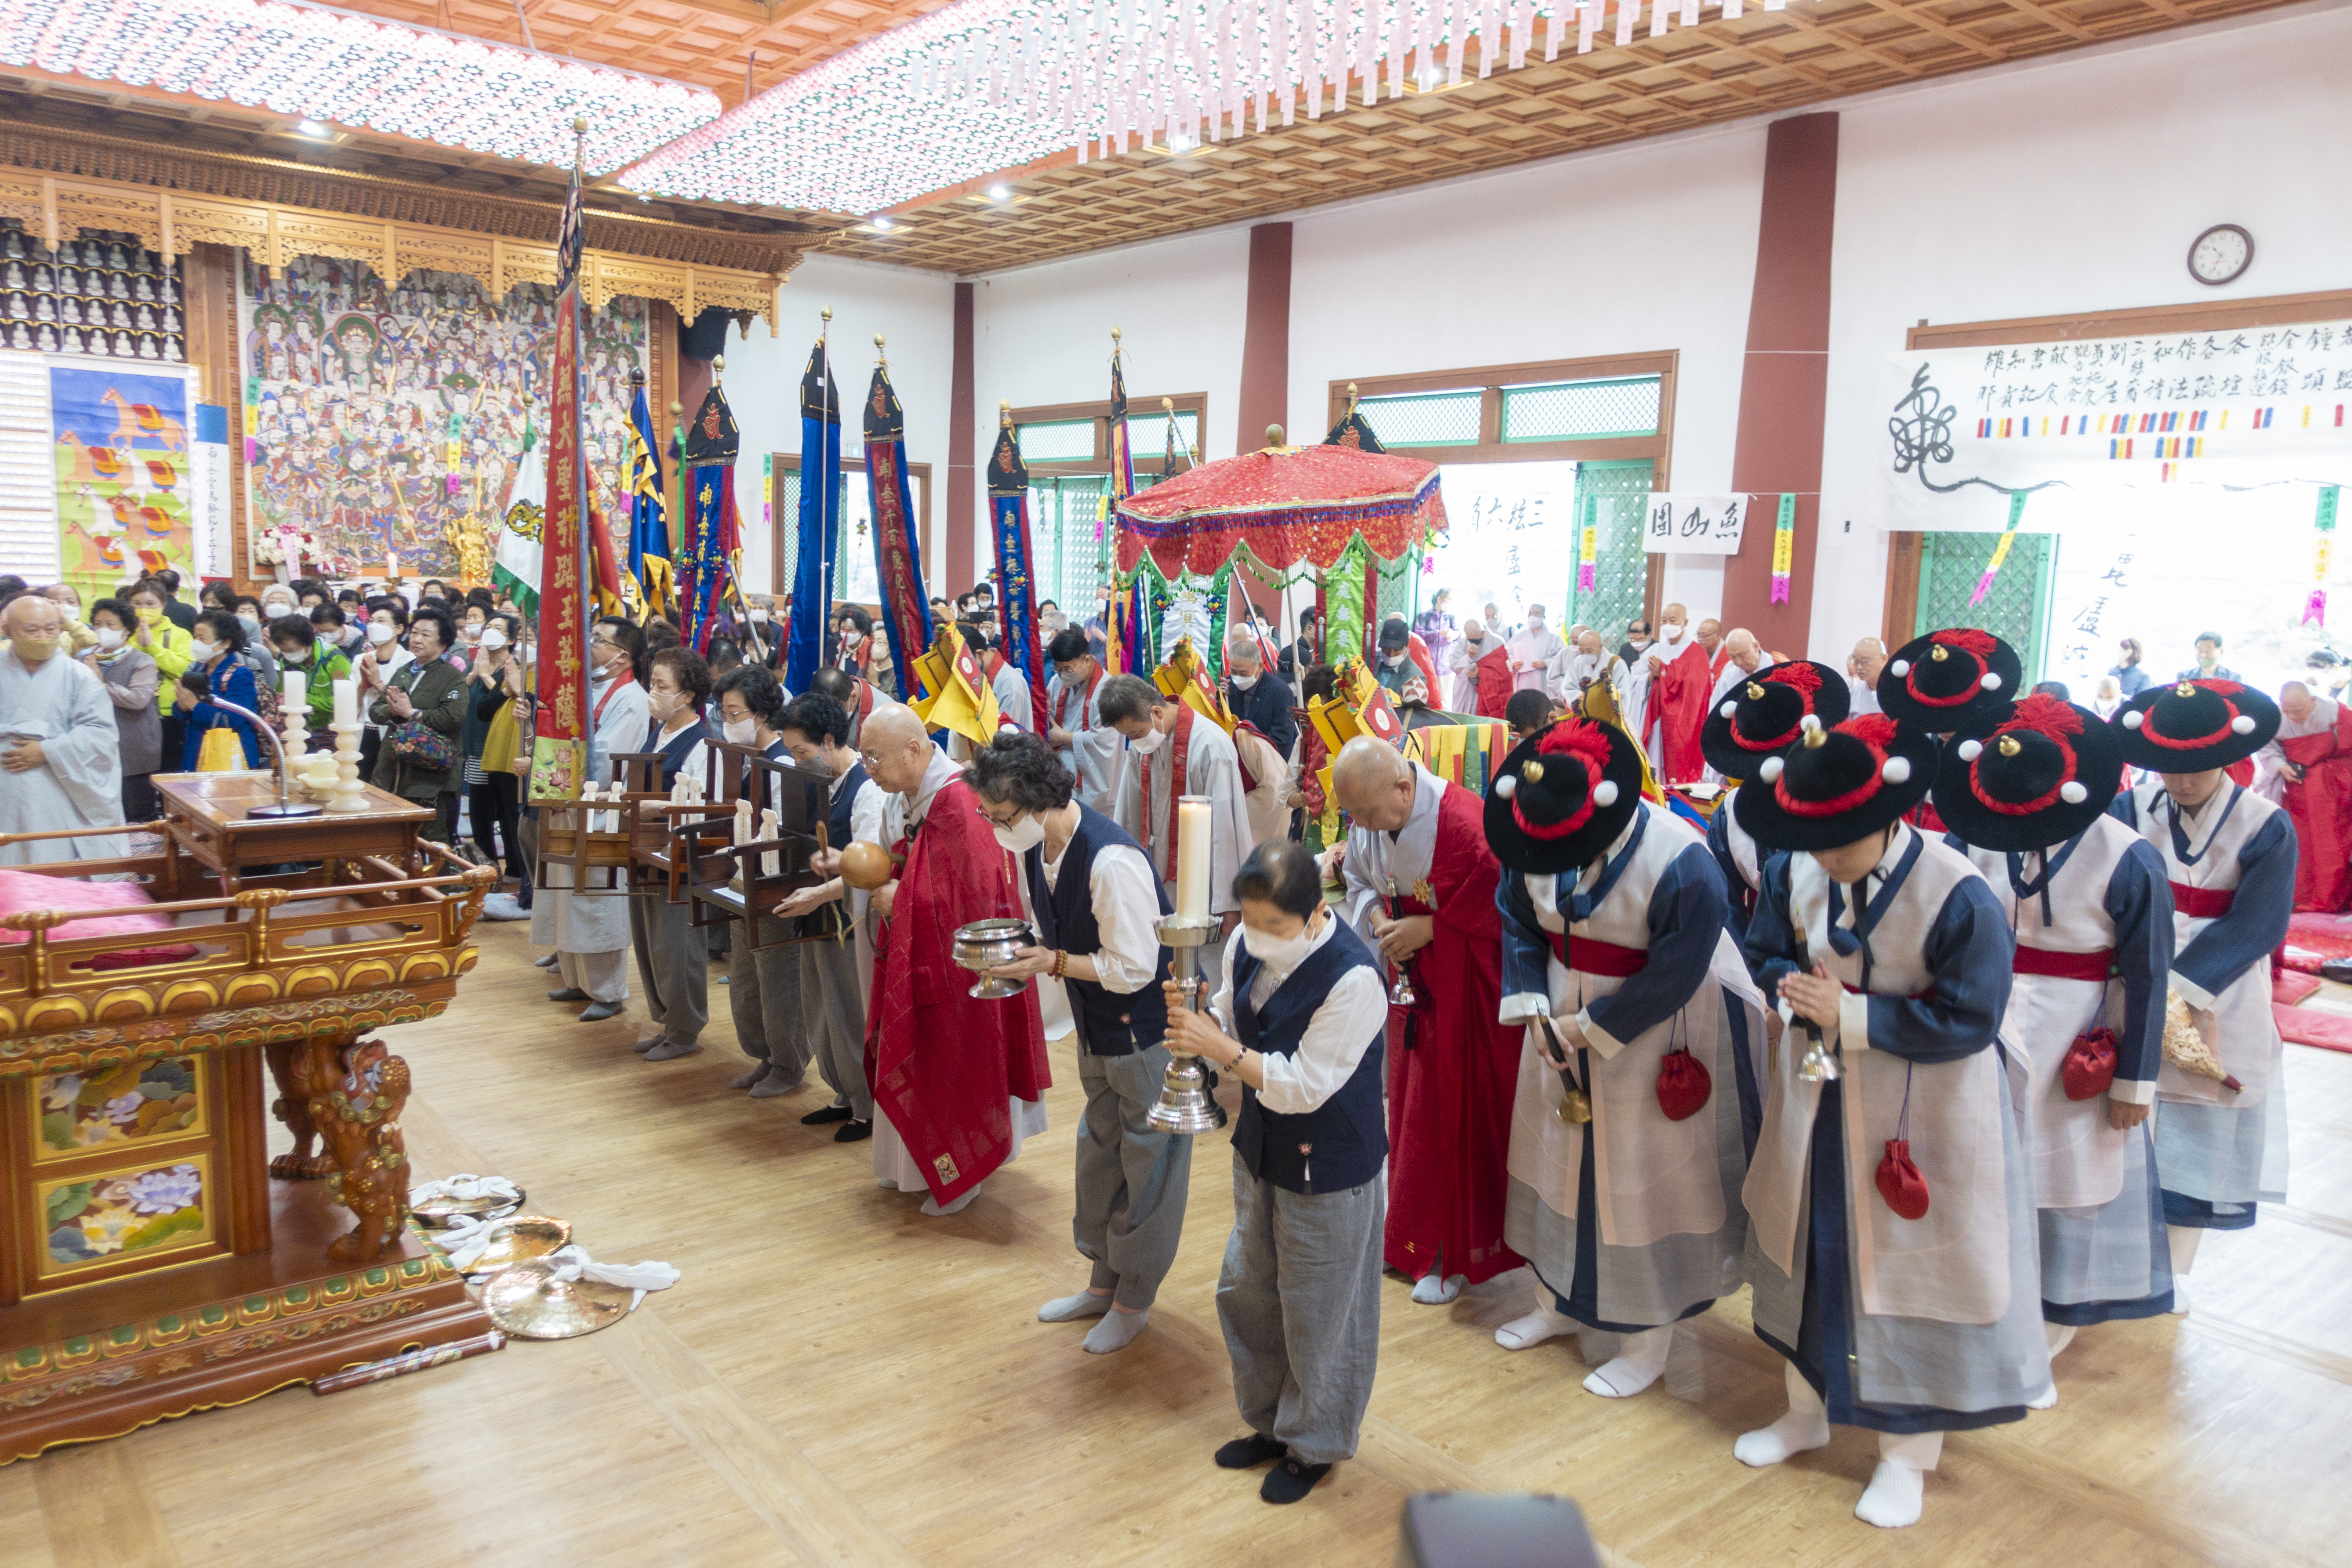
(2220, 255)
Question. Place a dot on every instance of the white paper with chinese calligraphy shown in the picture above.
(1510, 537)
(1692, 525)
(2081, 424)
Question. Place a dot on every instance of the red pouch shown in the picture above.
(1899, 1181)
(2090, 1064)
(1682, 1085)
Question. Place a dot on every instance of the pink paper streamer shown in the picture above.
(2315, 608)
(1780, 588)
(1984, 587)
(1585, 579)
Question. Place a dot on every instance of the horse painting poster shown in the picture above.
(125, 489)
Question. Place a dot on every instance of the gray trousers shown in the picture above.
(674, 962)
(1132, 1182)
(1299, 1300)
(764, 996)
(603, 975)
(835, 1008)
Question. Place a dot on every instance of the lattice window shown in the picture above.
(1614, 492)
(2016, 609)
(28, 474)
(1424, 418)
(1060, 441)
(1065, 518)
(1581, 410)
(1147, 438)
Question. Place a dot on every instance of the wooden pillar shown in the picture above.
(964, 500)
(1265, 361)
(1784, 384)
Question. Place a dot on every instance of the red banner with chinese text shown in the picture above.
(560, 732)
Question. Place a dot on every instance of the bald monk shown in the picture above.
(1862, 667)
(958, 1081)
(1421, 892)
(1680, 684)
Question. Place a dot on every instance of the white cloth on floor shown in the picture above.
(572, 1263)
(465, 1188)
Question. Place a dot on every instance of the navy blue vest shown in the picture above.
(673, 755)
(1342, 1143)
(838, 811)
(1109, 1022)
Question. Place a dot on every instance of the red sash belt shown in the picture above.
(1589, 957)
(2201, 903)
(2064, 965)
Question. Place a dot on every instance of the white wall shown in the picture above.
(914, 312)
(2070, 185)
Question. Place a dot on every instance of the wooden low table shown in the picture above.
(205, 818)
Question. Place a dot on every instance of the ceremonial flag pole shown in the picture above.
(1016, 589)
(819, 522)
(1132, 657)
(898, 563)
(706, 573)
(649, 563)
(559, 730)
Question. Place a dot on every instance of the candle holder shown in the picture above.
(295, 724)
(1185, 1104)
(350, 794)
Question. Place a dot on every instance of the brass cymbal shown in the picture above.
(518, 1240)
(439, 1213)
(528, 1302)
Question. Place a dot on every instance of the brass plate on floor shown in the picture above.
(528, 1302)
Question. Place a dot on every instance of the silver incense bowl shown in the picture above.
(985, 943)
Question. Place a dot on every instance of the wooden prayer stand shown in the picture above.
(150, 1265)
(734, 879)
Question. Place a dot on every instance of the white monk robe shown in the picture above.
(1631, 678)
(590, 932)
(1267, 771)
(1096, 750)
(1211, 768)
(894, 1167)
(1462, 656)
(1012, 689)
(64, 705)
(1541, 645)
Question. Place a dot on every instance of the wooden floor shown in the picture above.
(838, 1379)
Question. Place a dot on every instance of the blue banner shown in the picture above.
(819, 521)
(649, 563)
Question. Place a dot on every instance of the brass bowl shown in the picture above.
(528, 1302)
(518, 1240)
(984, 943)
(442, 1213)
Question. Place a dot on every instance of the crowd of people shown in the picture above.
(1948, 1036)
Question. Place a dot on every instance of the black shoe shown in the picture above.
(1243, 1453)
(1290, 1480)
(569, 994)
(829, 1114)
(854, 1131)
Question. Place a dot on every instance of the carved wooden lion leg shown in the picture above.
(359, 1116)
(290, 1070)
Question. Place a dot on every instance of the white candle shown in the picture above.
(297, 689)
(347, 703)
(1192, 857)
(390, 565)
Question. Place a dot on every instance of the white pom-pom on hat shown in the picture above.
(1606, 792)
(1992, 681)
(2135, 719)
(1728, 709)
(1971, 750)
(1507, 786)
(1811, 721)
(2072, 793)
(1901, 666)
(1897, 770)
(2243, 723)
(1771, 770)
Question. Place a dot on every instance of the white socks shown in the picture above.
(1116, 1331)
(1070, 1309)
(2059, 1335)
(1537, 1326)
(1897, 1486)
(1805, 1426)
(2183, 1239)
(1435, 1288)
(1640, 1359)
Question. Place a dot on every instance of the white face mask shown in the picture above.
(110, 636)
(1392, 659)
(1244, 682)
(1535, 623)
(738, 731)
(759, 615)
(1674, 631)
(1282, 951)
(380, 634)
(1022, 836)
(1150, 742)
(494, 639)
(202, 652)
(471, 634)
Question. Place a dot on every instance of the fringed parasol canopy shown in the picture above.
(1286, 504)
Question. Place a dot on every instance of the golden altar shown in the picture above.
(153, 1260)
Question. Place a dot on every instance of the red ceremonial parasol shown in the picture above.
(1288, 503)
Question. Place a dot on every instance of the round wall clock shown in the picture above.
(2220, 255)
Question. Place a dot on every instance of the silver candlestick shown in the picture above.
(1185, 1104)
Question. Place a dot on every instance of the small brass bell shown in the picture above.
(1755, 692)
(1576, 1107)
(2008, 746)
(1938, 652)
(2186, 689)
(1532, 773)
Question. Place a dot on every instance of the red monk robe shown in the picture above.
(1679, 694)
(943, 1063)
(1495, 683)
(2321, 804)
(1453, 1069)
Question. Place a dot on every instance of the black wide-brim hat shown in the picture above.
(1562, 796)
(1948, 679)
(2031, 779)
(1765, 714)
(1858, 778)
(2195, 726)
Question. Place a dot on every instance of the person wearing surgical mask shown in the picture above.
(382, 657)
(490, 742)
(79, 639)
(1258, 700)
(1088, 892)
(130, 685)
(302, 651)
(1532, 651)
(1299, 1020)
(764, 981)
(1173, 752)
(58, 742)
(815, 731)
(591, 934)
(672, 957)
